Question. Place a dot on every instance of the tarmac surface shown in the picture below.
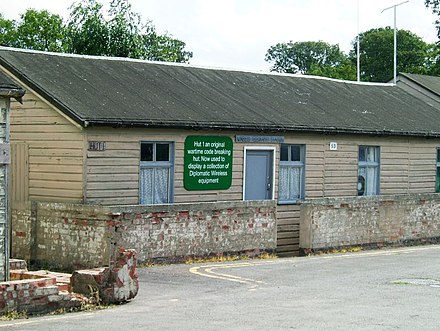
(388, 289)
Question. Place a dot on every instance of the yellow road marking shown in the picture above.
(210, 271)
(249, 280)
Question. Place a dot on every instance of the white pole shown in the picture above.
(395, 38)
(358, 47)
(395, 46)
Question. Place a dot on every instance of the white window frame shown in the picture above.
(157, 165)
(293, 164)
(370, 164)
(259, 148)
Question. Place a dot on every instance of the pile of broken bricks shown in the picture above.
(39, 292)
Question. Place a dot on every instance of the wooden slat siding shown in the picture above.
(120, 164)
(19, 173)
(113, 175)
(394, 166)
(340, 168)
(288, 230)
(55, 177)
(422, 166)
(55, 149)
(314, 164)
(328, 173)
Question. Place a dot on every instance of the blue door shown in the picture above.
(258, 175)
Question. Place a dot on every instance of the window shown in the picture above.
(156, 173)
(291, 176)
(437, 178)
(368, 171)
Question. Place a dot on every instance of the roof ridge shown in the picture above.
(188, 65)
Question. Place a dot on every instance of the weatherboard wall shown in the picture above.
(113, 175)
(407, 165)
(47, 153)
(51, 161)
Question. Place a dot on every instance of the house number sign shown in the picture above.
(96, 146)
(207, 163)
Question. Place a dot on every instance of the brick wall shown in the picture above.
(198, 229)
(379, 220)
(69, 236)
(21, 230)
(34, 296)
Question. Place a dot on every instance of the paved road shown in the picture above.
(396, 289)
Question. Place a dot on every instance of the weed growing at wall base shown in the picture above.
(229, 258)
(14, 315)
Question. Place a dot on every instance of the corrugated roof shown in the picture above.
(121, 92)
(431, 83)
(8, 88)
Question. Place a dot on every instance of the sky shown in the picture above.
(237, 33)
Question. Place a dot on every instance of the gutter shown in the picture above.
(119, 123)
(12, 92)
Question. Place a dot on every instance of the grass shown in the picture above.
(13, 315)
(342, 250)
(230, 258)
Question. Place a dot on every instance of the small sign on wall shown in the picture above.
(207, 163)
(333, 146)
(96, 146)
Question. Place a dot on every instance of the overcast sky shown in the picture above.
(237, 33)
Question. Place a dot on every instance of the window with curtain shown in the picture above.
(291, 174)
(368, 170)
(156, 173)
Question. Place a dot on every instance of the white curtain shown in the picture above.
(154, 183)
(290, 183)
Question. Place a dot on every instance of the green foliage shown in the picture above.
(311, 58)
(38, 30)
(434, 5)
(345, 70)
(122, 34)
(165, 48)
(119, 32)
(8, 31)
(377, 54)
(87, 31)
(376, 57)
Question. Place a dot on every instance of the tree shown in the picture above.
(7, 32)
(312, 58)
(38, 30)
(87, 31)
(346, 70)
(164, 48)
(377, 54)
(120, 32)
(435, 5)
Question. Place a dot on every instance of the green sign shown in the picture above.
(207, 163)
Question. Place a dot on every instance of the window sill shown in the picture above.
(295, 202)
